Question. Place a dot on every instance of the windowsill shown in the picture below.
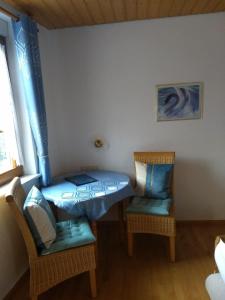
(25, 180)
(10, 174)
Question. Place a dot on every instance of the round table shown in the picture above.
(93, 199)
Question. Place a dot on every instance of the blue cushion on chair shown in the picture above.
(40, 218)
(149, 206)
(71, 233)
(158, 179)
(153, 180)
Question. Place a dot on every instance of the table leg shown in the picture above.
(121, 220)
(95, 232)
(54, 210)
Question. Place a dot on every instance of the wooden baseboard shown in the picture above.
(16, 286)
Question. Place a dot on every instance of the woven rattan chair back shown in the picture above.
(15, 198)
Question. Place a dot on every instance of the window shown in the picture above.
(8, 143)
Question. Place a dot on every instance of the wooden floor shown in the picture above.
(147, 275)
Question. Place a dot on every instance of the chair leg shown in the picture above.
(172, 248)
(92, 275)
(33, 295)
(130, 242)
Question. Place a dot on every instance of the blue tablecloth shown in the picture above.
(93, 199)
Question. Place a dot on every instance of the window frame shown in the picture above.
(14, 170)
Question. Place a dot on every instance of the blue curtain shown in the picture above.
(28, 57)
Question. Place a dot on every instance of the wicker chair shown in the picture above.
(155, 224)
(48, 270)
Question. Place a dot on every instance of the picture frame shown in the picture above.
(179, 101)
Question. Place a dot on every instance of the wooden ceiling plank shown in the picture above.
(119, 10)
(42, 15)
(55, 12)
(75, 14)
(220, 6)
(176, 8)
(95, 11)
(131, 9)
(58, 7)
(153, 9)
(70, 12)
(45, 12)
(199, 6)
(107, 11)
(215, 6)
(83, 12)
(211, 6)
(142, 9)
(187, 8)
(66, 13)
(165, 7)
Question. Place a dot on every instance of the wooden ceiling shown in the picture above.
(69, 13)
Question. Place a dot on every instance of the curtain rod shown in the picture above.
(9, 14)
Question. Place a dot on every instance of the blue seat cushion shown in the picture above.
(142, 205)
(69, 234)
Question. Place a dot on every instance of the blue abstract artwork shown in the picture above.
(179, 101)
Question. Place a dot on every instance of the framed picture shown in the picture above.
(180, 101)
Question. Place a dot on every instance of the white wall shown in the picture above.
(100, 82)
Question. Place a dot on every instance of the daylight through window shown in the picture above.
(8, 145)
